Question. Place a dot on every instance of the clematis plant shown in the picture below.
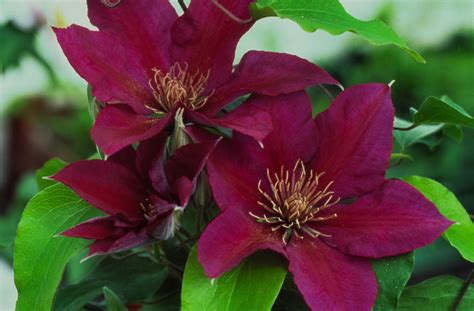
(142, 195)
(316, 193)
(207, 163)
(146, 64)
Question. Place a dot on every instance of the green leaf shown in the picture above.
(436, 294)
(418, 134)
(49, 168)
(330, 15)
(397, 156)
(453, 131)
(392, 275)
(40, 256)
(134, 278)
(460, 234)
(253, 285)
(20, 44)
(113, 302)
(442, 110)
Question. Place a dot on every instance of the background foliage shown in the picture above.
(43, 111)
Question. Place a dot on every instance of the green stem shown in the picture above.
(405, 128)
(463, 291)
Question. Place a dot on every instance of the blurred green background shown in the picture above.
(44, 113)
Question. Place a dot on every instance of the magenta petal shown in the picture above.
(293, 135)
(249, 119)
(394, 219)
(237, 165)
(125, 157)
(112, 70)
(354, 138)
(127, 241)
(330, 280)
(268, 73)
(142, 26)
(117, 126)
(234, 169)
(96, 229)
(183, 188)
(205, 38)
(189, 160)
(151, 156)
(105, 185)
(231, 237)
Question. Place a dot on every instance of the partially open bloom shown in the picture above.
(316, 193)
(142, 195)
(145, 63)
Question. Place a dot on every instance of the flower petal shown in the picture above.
(205, 38)
(127, 241)
(247, 118)
(117, 126)
(394, 219)
(354, 138)
(105, 185)
(98, 228)
(125, 157)
(293, 134)
(151, 156)
(330, 280)
(267, 73)
(237, 165)
(142, 26)
(189, 160)
(231, 237)
(112, 70)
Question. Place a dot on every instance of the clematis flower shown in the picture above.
(142, 195)
(316, 193)
(145, 63)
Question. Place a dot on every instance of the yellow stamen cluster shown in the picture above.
(294, 202)
(178, 87)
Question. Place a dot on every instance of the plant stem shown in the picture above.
(182, 5)
(326, 91)
(405, 128)
(230, 14)
(463, 291)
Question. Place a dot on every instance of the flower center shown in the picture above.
(178, 87)
(294, 201)
(149, 210)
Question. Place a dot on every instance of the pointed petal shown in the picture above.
(112, 70)
(117, 126)
(237, 165)
(354, 138)
(183, 188)
(394, 219)
(234, 169)
(125, 157)
(189, 160)
(105, 185)
(151, 156)
(267, 73)
(142, 26)
(231, 237)
(127, 241)
(330, 280)
(205, 38)
(98, 228)
(248, 119)
(293, 134)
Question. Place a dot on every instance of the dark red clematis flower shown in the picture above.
(145, 62)
(142, 195)
(316, 193)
